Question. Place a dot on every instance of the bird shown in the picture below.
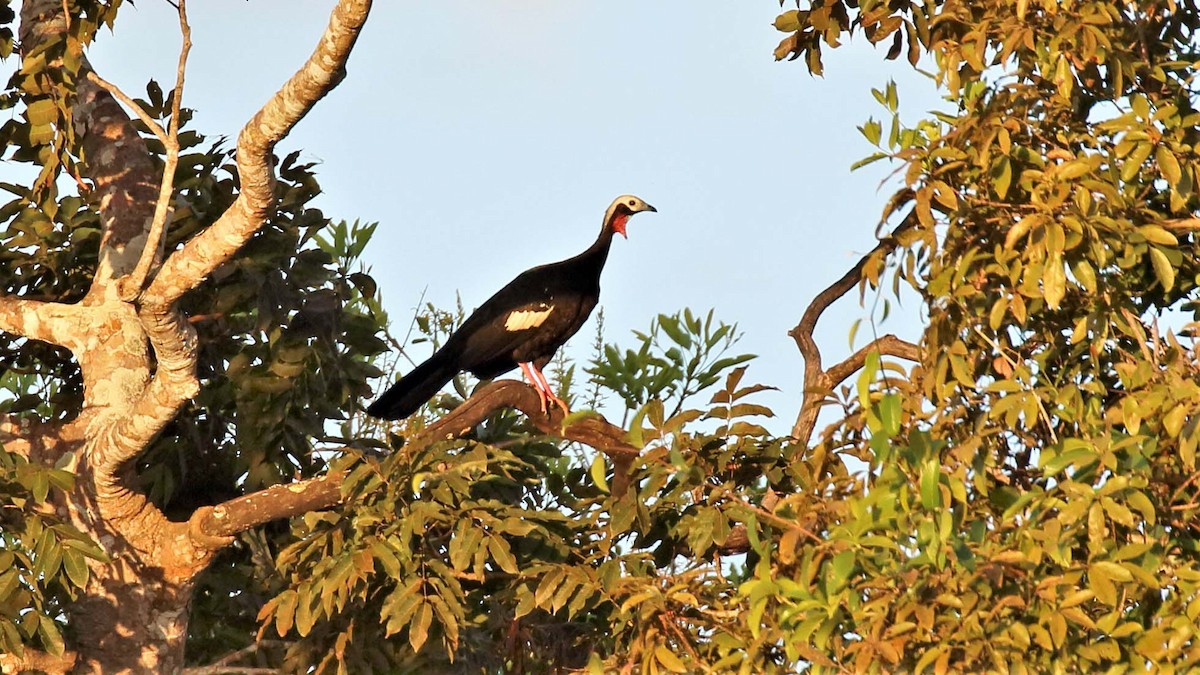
(521, 325)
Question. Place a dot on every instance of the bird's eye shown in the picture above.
(632, 203)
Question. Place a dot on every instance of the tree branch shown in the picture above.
(33, 660)
(274, 503)
(152, 251)
(186, 268)
(52, 322)
(117, 160)
(142, 115)
(888, 345)
(174, 384)
(594, 431)
(818, 381)
(212, 526)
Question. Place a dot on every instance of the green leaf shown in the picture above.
(842, 567)
(866, 378)
(1077, 457)
(889, 413)
(931, 473)
(1054, 281)
(1168, 164)
(51, 637)
(502, 554)
(669, 661)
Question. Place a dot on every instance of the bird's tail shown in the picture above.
(414, 389)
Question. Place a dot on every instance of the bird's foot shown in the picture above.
(562, 405)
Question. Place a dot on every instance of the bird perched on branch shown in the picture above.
(523, 324)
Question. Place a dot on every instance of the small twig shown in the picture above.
(132, 286)
(121, 96)
(1191, 479)
(1045, 415)
(222, 666)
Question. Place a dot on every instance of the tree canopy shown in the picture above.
(186, 345)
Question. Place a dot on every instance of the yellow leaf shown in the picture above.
(1168, 165)
(1054, 281)
(1162, 268)
(1157, 235)
(1018, 231)
(668, 659)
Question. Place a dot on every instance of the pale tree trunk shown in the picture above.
(138, 357)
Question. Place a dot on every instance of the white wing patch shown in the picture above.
(526, 319)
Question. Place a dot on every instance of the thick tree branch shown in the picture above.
(212, 526)
(274, 503)
(173, 385)
(818, 381)
(593, 431)
(186, 268)
(51, 322)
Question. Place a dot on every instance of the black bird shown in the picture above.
(523, 324)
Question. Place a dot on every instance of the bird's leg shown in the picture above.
(549, 392)
(528, 369)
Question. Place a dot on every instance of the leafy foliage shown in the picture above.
(43, 561)
(1023, 498)
(691, 361)
(1030, 497)
(502, 551)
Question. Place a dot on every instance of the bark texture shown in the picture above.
(138, 352)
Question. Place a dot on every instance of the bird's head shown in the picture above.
(620, 210)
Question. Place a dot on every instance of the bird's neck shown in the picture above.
(597, 253)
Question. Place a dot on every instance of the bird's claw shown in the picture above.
(546, 396)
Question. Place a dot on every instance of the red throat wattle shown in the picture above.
(618, 225)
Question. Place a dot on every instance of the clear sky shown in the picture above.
(489, 136)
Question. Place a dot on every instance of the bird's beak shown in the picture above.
(650, 208)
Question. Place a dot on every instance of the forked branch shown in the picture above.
(325, 68)
(818, 381)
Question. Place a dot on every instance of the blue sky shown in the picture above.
(488, 137)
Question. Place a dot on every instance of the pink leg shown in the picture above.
(545, 386)
(529, 371)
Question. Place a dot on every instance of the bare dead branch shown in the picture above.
(818, 381)
(131, 104)
(187, 267)
(888, 345)
(152, 251)
(33, 660)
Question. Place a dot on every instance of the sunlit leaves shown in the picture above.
(1043, 470)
